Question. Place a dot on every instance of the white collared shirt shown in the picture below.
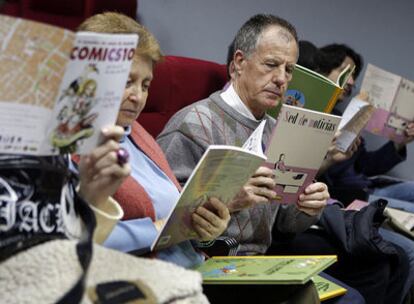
(233, 100)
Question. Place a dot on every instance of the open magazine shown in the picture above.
(58, 88)
(393, 97)
(298, 145)
(221, 172)
(311, 90)
(356, 116)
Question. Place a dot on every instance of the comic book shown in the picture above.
(393, 97)
(327, 289)
(221, 172)
(281, 270)
(58, 88)
(297, 147)
(311, 90)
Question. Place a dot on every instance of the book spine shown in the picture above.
(329, 107)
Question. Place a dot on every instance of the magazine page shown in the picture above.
(263, 269)
(90, 93)
(298, 145)
(33, 57)
(356, 116)
(381, 86)
(255, 141)
(393, 97)
(220, 173)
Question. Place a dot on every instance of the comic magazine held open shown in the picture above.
(58, 88)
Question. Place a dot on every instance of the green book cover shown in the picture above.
(263, 269)
(327, 289)
(311, 90)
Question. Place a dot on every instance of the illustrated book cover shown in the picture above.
(282, 270)
(311, 90)
(327, 289)
(297, 147)
(221, 173)
(58, 88)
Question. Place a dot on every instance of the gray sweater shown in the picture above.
(212, 121)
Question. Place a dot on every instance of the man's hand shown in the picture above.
(314, 199)
(334, 156)
(259, 189)
(211, 219)
(100, 174)
(409, 132)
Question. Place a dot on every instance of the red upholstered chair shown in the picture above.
(178, 82)
(10, 7)
(66, 13)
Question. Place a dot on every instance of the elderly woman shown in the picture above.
(148, 195)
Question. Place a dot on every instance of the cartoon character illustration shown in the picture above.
(285, 177)
(75, 117)
(74, 86)
(280, 164)
(295, 98)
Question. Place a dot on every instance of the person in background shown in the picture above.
(148, 195)
(351, 171)
(355, 172)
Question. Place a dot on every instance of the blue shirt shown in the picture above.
(139, 234)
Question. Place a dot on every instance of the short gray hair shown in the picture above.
(247, 36)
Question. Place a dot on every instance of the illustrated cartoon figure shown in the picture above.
(280, 164)
(74, 86)
(75, 117)
(295, 98)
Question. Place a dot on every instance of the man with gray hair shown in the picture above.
(264, 54)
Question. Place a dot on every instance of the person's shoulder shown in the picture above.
(194, 113)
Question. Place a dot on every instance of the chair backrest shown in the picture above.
(66, 13)
(178, 82)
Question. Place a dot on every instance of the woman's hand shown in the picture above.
(314, 199)
(211, 219)
(100, 173)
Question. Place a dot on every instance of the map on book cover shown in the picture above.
(58, 88)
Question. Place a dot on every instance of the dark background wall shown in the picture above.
(382, 31)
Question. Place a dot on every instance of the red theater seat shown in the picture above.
(178, 82)
(66, 13)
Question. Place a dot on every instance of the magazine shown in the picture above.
(393, 97)
(298, 145)
(58, 88)
(313, 91)
(221, 172)
(283, 270)
(356, 116)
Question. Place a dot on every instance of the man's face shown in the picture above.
(261, 78)
(351, 81)
(136, 91)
